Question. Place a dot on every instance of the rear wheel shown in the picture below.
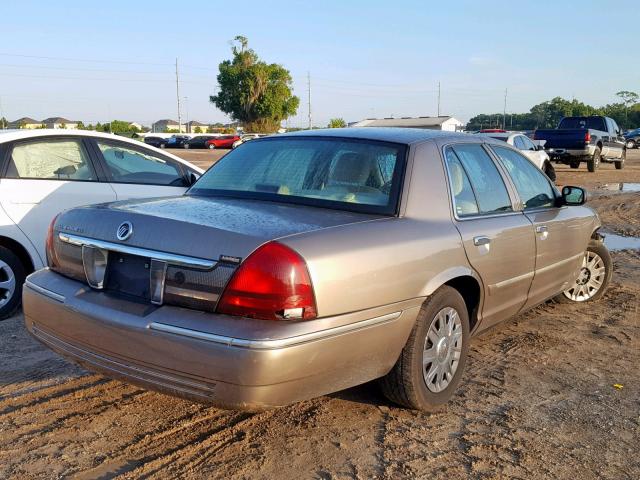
(162, 145)
(593, 277)
(185, 146)
(211, 146)
(12, 275)
(620, 163)
(594, 162)
(630, 144)
(550, 171)
(433, 359)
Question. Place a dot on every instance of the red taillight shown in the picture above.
(587, 136)
(52, 260)
(273, 283)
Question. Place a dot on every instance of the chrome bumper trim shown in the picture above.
(277, 343)
(173, 259)
(47, 293)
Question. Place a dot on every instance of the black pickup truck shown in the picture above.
(592, 139)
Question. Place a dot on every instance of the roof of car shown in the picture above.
(388, 134)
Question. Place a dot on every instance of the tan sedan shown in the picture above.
(306, 263)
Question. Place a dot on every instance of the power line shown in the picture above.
(438, 99)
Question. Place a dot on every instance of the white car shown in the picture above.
(246, 137)
(43, 172)
(533, 152)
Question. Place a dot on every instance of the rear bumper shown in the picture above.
(569, 153)
(226, 361)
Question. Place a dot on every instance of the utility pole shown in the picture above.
(438, 99)
(504, 111)
(186, 120)
(309, 98)
(178, 98)
(4, 123)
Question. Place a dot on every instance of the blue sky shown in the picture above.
(92, 62)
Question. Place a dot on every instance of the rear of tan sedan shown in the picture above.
(144, 306)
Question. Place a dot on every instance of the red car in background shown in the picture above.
(226, 141)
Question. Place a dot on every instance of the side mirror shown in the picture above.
(573, 195)
(193, 178)
(540, 147)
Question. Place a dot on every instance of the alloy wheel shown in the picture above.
(590, 279)
(7, 283)
(442, 349)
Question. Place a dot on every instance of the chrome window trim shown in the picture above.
(276, 343)
(173, 259)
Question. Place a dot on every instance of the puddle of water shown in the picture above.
(620, 242)
(621, 187)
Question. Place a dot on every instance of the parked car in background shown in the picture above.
(199, 141)
(224, 141)
(246, 137)
(177, 141)
(632, 139)
(307, 263)
(46, 171)
(592, 139)
(533, 152)
(157, 142)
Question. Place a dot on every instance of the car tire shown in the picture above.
(411, 382)
(550, 171)
(594, 162)
(593, 278)
(12, 275)
(630, 144)
(620, 163)
(574, 164)
(162, 145)
(211, 146)
(185, 146)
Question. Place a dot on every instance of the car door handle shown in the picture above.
(542, 229)
(481, 240)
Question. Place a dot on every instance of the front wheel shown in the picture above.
(12, 275)
(185, 146)
(594, 162)
(593, 277)
(630, 144)
(550, 171)
(432, 361)
(211, 146)
(620, 163)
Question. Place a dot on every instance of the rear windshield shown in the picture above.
(595, 123)
(346, 174)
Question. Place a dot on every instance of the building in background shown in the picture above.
(59, 122)
(25, 122)
(167, 125)
(444, 122)
(194, 124)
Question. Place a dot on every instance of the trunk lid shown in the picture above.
(569, 138)
(202, 227)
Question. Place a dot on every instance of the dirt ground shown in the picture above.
(537, 401)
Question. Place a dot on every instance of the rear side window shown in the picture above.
(464, 199)
(489, 190)
(126, 165)
(534, 189)
(51, 160)
(519, 144)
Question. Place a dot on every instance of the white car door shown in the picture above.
(45, 176)
(138, 172)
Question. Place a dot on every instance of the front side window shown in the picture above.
(331, 172)
(51, 160)
(129, 165)
(534, 189)
(489, 189)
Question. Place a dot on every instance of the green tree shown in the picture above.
(80, 126)
(628, 98)
(337, 123)
(253, 92)
(4, 123)
(197, 130)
